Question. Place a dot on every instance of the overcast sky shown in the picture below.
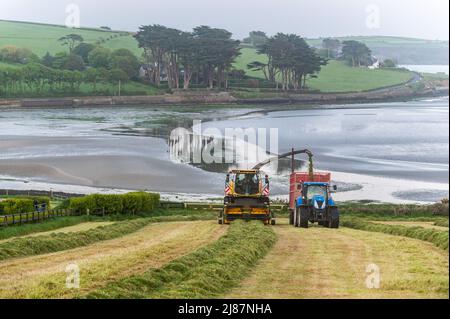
(310, 18)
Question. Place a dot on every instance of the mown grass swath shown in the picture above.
(22, 247)
(441, 223)
(206, 273)
(391, 211)
(436, 237)
(26, 229)
(126, 224)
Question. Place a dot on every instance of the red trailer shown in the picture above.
(296, 180)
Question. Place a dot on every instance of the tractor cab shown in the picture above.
(317, 195)
(246, 183)
(316, 205)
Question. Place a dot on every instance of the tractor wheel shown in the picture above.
(273, 222)
(303, 218)
(334, 223)
(334, 219)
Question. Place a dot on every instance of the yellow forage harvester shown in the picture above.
(246, 197)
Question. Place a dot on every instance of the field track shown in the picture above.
(151, 247)
(325, 263)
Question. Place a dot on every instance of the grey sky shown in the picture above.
(311, 18)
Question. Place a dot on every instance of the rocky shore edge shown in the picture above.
(400, 93)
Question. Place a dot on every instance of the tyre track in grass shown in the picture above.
(151, 247)
(327, 263)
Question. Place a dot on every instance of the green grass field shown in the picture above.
(336, 76)
(41, 38)
(179, 253)
(249, 55)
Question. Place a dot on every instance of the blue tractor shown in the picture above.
(315, 205)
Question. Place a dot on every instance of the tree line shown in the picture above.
(290, 61)
(206, 55)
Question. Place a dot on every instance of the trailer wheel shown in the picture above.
(303, 219)
(295, 217)
(291, 217)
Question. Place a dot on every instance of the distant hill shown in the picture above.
(404, 50)
(41, 38)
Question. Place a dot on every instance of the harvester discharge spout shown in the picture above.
(292, 153)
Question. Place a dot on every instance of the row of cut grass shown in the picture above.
(48, 225)
(30, 246)
(435, 212)
(436, 237)
(206, 273)
(23, 247)
(442, 223)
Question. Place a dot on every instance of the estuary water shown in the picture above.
(396, 152)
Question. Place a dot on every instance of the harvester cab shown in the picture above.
(316, 205)
(246, 197)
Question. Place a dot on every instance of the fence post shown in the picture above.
(14, 219)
